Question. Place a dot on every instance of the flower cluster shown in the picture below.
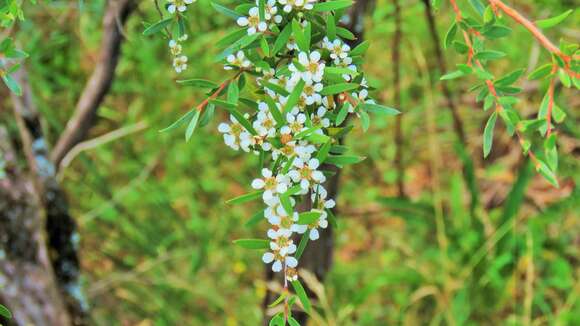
(174, 6)
(308, 80)
(179, 60)
(291, 124)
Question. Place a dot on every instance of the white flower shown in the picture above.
(319, 197)
(175, 48)
(322, 223)
(272, 185)
(290, 4)
(304, 150)
(311, 92)
(291, 274)
(295, 122)
(270, 11)
(306, 173)
(179, 5)
(238, 60)
(282, 248)
(180, 63)
(265, 124)
(248, 140)
(314, 69)
(291, 44)
(232, 133)
(338, 50)
(253, 21)
(318, 118)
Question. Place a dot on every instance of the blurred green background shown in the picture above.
(156, 235)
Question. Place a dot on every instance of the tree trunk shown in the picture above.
(29, 288)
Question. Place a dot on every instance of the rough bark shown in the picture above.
(61, 230)
(318, 255)
(29, 289)
(100, 81)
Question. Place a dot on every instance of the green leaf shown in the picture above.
(330, 27)
(279, 300)
(338, 88)
(450, 35)
(207, 115)
(294, 96)
(233, 93)
(299, 36)
(245, 198)
(276, 88)
(380, 109)
(222, 103)
(509, 78)
(345, 33)
(307, 218)
(282, 38)
(262, 9)
(158, 26)
(339, 71)
(551, 151)
(478, 6)
(344, 159)
(488, 55)
(12, 85)
(331, 5)
(180, 121)
(198, 83)
(302, 296)
(497, 31)
(264, 46)
(365, 120)
(342, 113)
(226, 11)
(551, 22)
(4, 312)
(360, 49)
(292, 321)
(232, 37)
(192, 125)
(274, 110)
(323, 151)
(302, 245)
(253, 243)
(548, 174)
(255, 219)
(452, 75)
(488, 134)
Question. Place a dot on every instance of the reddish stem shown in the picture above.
(532, 28)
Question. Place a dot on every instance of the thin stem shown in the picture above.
(215, 94)
(535, 31)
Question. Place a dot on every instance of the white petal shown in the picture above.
(291, 262)
(303, 58)
(315, 56)
(242, 21)
(314, 234)
(258, 184)
(304, 184)
(223, 127)
(266, 173)
(268, 257)
(277, 266)
(313, 163)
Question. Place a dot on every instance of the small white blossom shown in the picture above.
(318, 118)
(265, 124)
(272, 185)
(175, 48)
(180, 63)
(178, 5)
(314, 68)
(305, 173)
(311, 92)
(233, 133)
(238, 60)
(253, 21)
